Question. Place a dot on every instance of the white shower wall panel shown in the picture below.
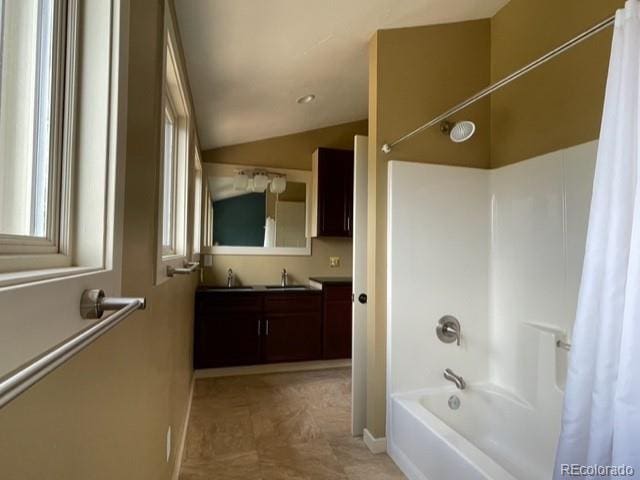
(527, 257)
(539, 215)
(438, 242)
(579, 169)
(502, 251)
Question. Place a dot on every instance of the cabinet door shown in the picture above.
(335, 192)
(227, 340)
(227, 331)
(292, 337)
(293, 327)
(337, 322)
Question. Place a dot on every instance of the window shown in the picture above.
(173, 241)
(197, 203)
(31, 86)
(63, 88)
(170, 160)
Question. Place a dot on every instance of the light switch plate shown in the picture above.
(334, 262)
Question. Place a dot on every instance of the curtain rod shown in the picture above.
(386, 148)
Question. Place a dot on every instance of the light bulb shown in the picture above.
(240, 182)
(260, 182)
(278, 185)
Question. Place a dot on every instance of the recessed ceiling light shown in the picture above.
(306, 99)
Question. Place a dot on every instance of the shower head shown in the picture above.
(458, 132)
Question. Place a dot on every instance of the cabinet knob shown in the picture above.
(362, 298)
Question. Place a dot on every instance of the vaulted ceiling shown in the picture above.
(249, 60)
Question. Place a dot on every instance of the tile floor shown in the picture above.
(285, 426)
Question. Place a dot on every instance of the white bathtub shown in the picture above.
(492, 435)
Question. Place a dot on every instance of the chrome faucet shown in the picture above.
(229, 278)
(284, 278)
(457, 379)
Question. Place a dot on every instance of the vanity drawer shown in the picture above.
(231, 302)
(287, 302)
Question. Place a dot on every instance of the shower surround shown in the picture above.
(501, 250)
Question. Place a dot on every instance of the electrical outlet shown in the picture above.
(334, 262)
(168, 443)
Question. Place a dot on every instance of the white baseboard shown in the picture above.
(177, 464)
(376, 445)
(272, 368)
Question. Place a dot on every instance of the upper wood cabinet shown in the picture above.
(332, 198)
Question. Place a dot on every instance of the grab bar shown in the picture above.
(188, 268)
(92, 305)
(564, 345)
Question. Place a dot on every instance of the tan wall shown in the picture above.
(290, 151)
(104, 414)
(265, 270)
(560, 104)
(415, 74)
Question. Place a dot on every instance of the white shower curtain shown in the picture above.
(601, 417)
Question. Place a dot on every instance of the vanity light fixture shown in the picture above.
(258, 181)
(306, 99)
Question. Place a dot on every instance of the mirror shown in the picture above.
(257, 211)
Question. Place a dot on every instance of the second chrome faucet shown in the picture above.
(457, 379)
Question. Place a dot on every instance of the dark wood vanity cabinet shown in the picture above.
(337, 321)
(332, 200)
(249, 328)
(227, 329)
(293, 327)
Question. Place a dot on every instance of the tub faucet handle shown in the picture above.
(448, 330)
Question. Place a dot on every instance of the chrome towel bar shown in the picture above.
(188, 268)
(92, 305)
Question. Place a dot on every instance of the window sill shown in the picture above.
(16, 264)
(15, 279)
(169, 259)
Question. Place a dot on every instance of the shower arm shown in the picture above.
(607, 22)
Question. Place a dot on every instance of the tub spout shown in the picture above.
(457, 379)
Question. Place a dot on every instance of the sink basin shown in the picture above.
(287, 287)
(231, 289)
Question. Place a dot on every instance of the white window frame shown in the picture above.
(207, 218)
(26, 252)
(197, 204)
(170, 249)
(44, 309)
(175, 88)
